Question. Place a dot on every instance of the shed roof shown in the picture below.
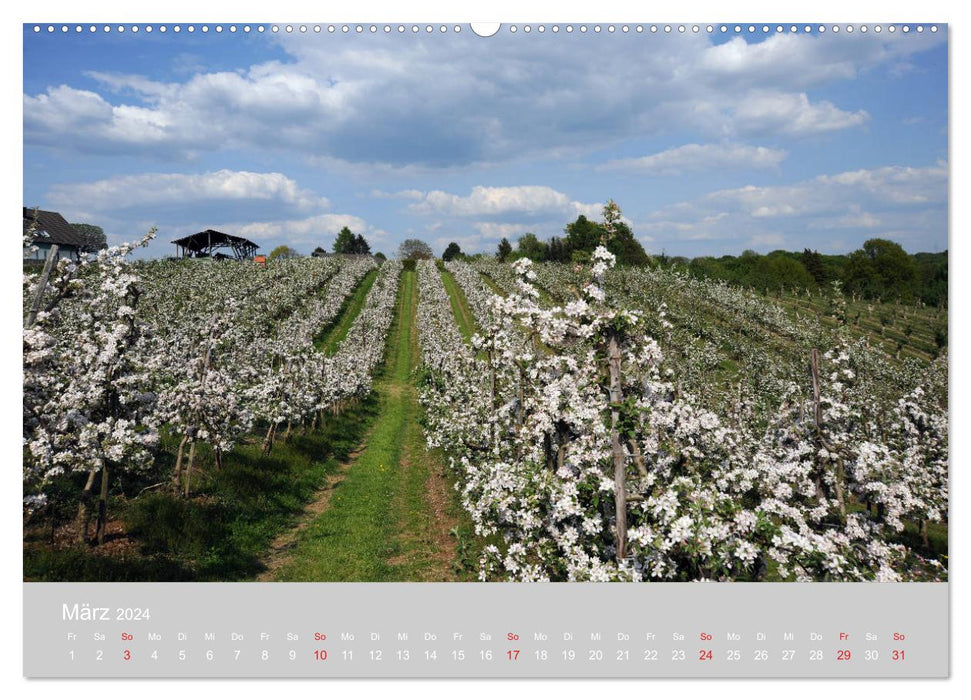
(204, 239)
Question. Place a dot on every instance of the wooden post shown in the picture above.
(814, 368)
(268, 440)
(617, 448)
(817, 414)
(102, 506)
(188, 468)
(84, 509)
(840, 493)
(45, 274)
(177, 475)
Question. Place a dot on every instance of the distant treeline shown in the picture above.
(881, 269)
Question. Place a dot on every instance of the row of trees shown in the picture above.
(580, 239)
(881, 269)
(347, 243)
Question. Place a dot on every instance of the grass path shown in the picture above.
(389, 517)
(328, 341)
(460, 306)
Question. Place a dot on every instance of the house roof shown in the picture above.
(51, 228)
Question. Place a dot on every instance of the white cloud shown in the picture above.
(695, 157)
(315, 230)
(403, 194)
(529, 201)
(179, 189)
(469, 243)
(886, 187)
(800, 60)
(791, 115)
(436, 102)
(907, 203)
(492, 230)
(854, 218)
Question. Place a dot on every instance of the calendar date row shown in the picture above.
(510, 655)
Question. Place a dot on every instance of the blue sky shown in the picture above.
(711, 144)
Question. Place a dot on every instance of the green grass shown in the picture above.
(222, 534)
(354, 537)
(923, 323)
(330, 339)
(460, 306)
(379, 525)
(491, 284)
(546, 300)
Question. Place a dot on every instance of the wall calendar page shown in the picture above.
(563, 350)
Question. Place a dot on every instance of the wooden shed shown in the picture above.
(205, 244)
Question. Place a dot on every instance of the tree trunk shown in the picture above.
(617, 448)
(817, 417)
(286, 435)
(84, 508)
(492, 382)
(218, 454)
(268, 440)
(102, 506)
(41, 286)
(925, 540)
(52, 514)
(840, 493)
(177, 476)
(188, 468)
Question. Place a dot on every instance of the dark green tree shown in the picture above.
(707, 268)
(813, 262)
(360, 246)
(414, 249)
(345, 242)
(451, 252)
(786, 271)
(628, 249)
(504, 250)
(319, 252)
(94, 236)
(896, 271)
(283, 252)
(529, 246)
(380, 256)
(583, 235)
(880, 269)
(558, 252)
(620, 239)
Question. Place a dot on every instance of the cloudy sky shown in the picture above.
(710, 143)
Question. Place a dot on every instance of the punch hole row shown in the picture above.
(512, 29)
